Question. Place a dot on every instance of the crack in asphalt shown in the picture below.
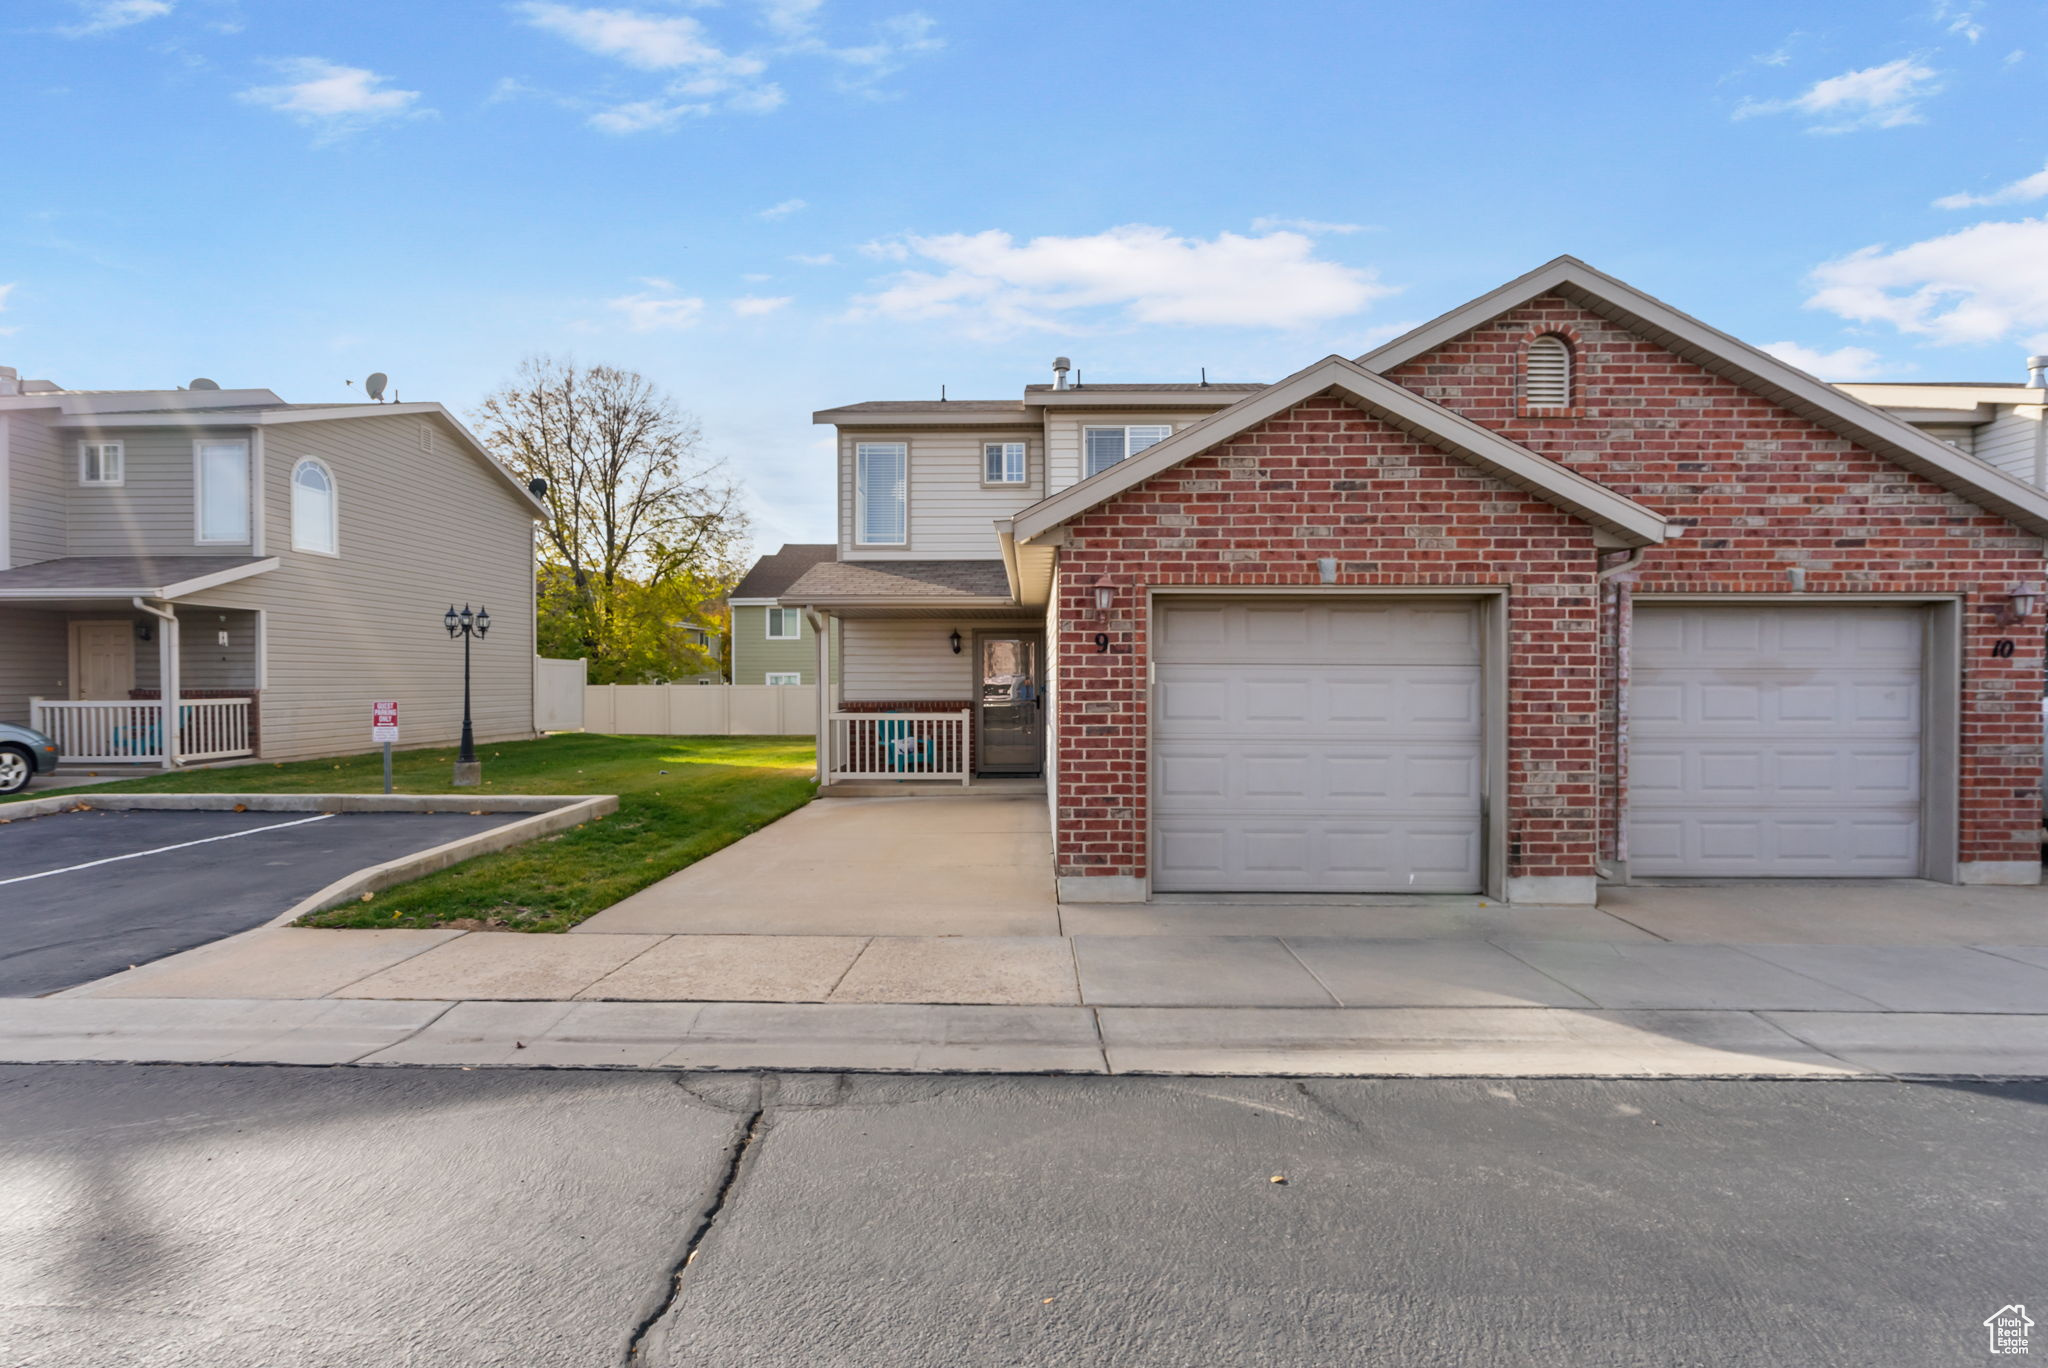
(748, 1136)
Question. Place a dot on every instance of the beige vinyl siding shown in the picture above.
(203, 663)
(2007, 441)
(754, 655)
(151, 512)
(906, 660)
(952, 513)
(1063, 437)
(35, 661)
(36, 480)
(418, 529)
(1961, 436)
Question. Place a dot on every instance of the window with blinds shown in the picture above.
(1547, 377)
(1103, 447)
(880, 493)
(1002, 463)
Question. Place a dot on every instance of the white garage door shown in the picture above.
(1325, 747)
(1776, 741)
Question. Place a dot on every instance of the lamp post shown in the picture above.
(469, 771)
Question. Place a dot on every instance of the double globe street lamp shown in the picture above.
(469, 771)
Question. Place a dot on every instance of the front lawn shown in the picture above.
(680, 798)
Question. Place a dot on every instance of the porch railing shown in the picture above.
(130, 732)
(899, 746)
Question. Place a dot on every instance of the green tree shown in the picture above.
(644, 528)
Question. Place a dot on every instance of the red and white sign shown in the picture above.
(383, 722)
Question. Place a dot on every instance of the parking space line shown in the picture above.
(136, 855)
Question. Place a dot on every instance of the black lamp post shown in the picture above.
(467, 625)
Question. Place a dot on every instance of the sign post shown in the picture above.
(384, 731)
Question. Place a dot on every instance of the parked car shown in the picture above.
(24, 753)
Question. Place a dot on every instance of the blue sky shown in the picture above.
(773, 206)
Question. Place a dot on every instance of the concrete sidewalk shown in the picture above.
(1369, 1042)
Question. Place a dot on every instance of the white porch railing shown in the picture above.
(899, 746)
(130, 732)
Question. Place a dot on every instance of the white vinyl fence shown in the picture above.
(558, 694)
(701, 709)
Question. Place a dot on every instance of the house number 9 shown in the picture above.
(2001, 649)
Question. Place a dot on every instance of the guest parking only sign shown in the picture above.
(383, 723)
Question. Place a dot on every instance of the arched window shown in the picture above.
(1547, 374)
(315, 514)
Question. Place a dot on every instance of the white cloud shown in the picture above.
(1135, 274)
(1960, 18)
(1980, 284)
(333, 99)
(642, 116)
(6, 290)
(1843, 363)
(104, 16)
(896, 41)
(657, 310)
(753, 306)
(1876, 97)
(819, 259)
(2017, 192)
(1264, 224)
(650, 42)
(784, 209)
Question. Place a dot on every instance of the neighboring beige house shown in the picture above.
(772, 644)
(278, 567)
(1563, 586)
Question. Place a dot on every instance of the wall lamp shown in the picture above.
(1104, 596)
(2020, 599)
(955, 639)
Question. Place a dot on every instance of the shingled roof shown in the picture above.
(775, 572)
(901, 579)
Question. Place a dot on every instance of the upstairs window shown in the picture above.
(785, 677)
(100, 463)
(1002, 463)
(881, 476)
(1103, 447)
(315, 514)
(220, 472)
(784, 624)
(1547, 373)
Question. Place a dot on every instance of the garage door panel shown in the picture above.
(1328, 747)
(1775, 740)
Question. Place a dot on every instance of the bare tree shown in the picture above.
(634, 501)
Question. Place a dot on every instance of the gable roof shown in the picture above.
(1785, 385)
(775, 572)
(883, 580)
(1625, 520)
(126, 577)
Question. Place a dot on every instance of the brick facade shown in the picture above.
(1758, 489)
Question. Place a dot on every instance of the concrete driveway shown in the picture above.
(968, 866)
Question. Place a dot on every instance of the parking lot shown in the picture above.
(86, 894)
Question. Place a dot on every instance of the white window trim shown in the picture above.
(1165, 430)
(333, 547)
(199, 537)
(860, 497)
(789, 615)
(1023, 468)
(784, 677)
(120, 459)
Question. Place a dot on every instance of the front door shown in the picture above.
(106, 659)
(1009, 714)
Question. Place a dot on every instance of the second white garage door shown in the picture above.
(1775, 741)
(1329, 747)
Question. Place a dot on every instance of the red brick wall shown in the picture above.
(1762, 490)
(1324, 479)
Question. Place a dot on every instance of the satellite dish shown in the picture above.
(374, 386)
(203, 383)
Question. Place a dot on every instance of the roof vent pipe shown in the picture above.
(2037, 371)
(1060, 367)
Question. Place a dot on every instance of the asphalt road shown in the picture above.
(257, 1216)
(86, 894)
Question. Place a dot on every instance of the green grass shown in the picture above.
(680, 799)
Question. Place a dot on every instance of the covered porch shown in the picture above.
(931, 675)
(117, 661)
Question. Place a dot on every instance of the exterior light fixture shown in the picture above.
(468, 626)
(955, 640)
(2020, 600)
(1326, 568)
(143, 632)
(1104, 595)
